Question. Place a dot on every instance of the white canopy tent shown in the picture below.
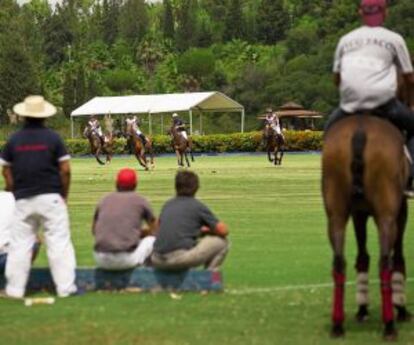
(159, 104)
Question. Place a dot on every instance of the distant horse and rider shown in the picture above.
(100, 144)
(139, 143)
(181, 143)
(365, 168)
(273, 138)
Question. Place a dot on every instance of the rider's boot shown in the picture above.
(143, 139)
(102, 140)
(409, 192)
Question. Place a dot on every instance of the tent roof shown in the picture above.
(162, 103)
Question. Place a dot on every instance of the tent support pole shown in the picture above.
(201, 123)
(71, 126)
(191, 122)
(162, 123)
(149, 123)
(242, 120)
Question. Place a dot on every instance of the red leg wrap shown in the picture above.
(338, 315)
(386, 293)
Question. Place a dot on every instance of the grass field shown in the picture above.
(277, 275)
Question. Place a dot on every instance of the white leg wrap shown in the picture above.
(362, 295)
(398, 289)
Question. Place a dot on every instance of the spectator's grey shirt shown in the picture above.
(367, 59)
(118, 221)
(180, 222)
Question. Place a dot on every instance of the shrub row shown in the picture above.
(237, 142)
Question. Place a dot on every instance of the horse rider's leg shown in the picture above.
(398, 275)
(361, 265)
(387, 227)
(402, 117)
(143, 139)
(335, 116)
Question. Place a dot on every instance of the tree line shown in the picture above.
(259, 52)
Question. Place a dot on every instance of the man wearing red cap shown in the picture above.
(120, 240)
(366, 63)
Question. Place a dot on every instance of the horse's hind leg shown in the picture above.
(336, 229)
(398, 275)
(387, 227)
(361, 265)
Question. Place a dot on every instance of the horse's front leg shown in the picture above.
(361, 265)
(186, 158)
(269, 154)
(179, 158)
(398, 275)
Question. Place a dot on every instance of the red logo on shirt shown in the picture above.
(35, 147)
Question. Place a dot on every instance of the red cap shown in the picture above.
(373, 12)
(126, 179)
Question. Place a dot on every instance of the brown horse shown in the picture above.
(364, 173)
(97, 148)
(181, 147)
(274, 144)
(139, 149)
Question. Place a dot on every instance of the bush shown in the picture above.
(236, 142)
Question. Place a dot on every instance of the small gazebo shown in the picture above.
(295, 116)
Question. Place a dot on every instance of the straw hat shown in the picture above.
(35, 106)
(175, 115)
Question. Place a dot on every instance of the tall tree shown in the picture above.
(234, 21)
(58, 34)
(168, 21)
(186, 30)
(133, 21)
(18, 75)
(110, 15)
(69, 99)
(272, 21)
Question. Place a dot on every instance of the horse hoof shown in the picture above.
(390, 333)
(362, 315)
(403, 315)
(337, 331)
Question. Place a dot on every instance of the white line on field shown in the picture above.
(250, 291)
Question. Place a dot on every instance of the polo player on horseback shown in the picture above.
(179, 126)
(135, 123)
(95, 126)
(365, 70)
(272, 120)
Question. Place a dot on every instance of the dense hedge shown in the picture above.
(237, 142)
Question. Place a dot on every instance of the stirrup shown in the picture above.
(409, 193)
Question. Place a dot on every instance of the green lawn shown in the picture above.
(276, 275)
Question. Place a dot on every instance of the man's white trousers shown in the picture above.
(123, 261)
(50, 211)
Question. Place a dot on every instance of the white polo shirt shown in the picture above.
(367, 59)
(7, 205)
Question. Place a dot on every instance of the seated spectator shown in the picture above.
(120, 240)
(189, 234)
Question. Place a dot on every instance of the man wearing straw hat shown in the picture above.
(36, 169)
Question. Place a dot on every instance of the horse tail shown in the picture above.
(359, 140)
